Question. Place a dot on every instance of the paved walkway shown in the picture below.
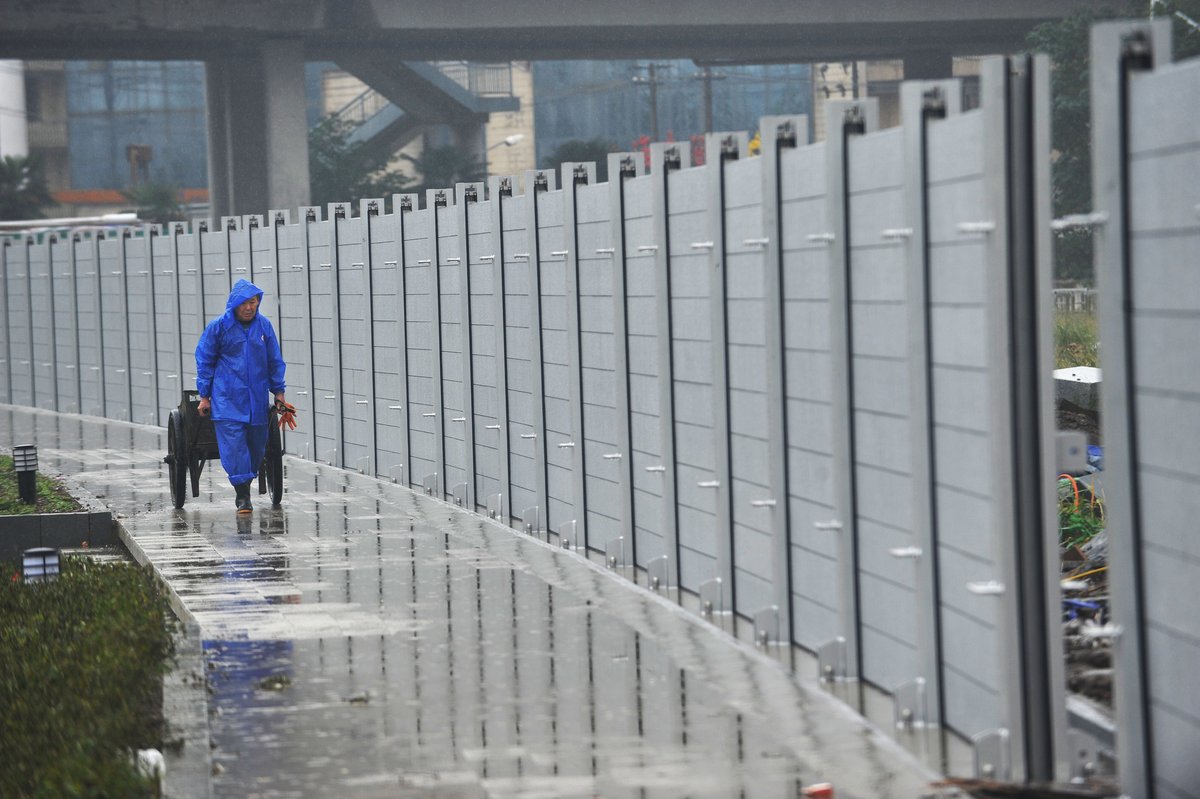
(367, 641)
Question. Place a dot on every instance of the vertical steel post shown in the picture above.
(921, 102)
(1119, 51)
(720, 148)
(778, 134)
(52, 364)
(435, 199)
(537, 182)
(403, 204)
(98, 296)
(573, 176)
(468, 195)
(311, 215)
(339, 213)
(27, 279)
(177, 230)
(664, 159)
(843, 121)
(368, 211)
(621, 168)
(149, 232)
(123, 273)
(72, 275)
(8, 353)
(500, 190)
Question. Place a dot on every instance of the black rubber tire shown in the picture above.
(273, 466)
(177, 460)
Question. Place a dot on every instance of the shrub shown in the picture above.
(81, 665)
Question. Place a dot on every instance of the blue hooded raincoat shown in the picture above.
(239, 367)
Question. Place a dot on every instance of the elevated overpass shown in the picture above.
(255, 50)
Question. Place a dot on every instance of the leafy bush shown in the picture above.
(81, 665)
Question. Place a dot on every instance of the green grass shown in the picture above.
(81, 665)
(1075, 340)
(52, 497)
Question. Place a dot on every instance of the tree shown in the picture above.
(1067, 43)
(340, 170)
(23, 189)
(442, 167)
(156, 202)
(580, 151)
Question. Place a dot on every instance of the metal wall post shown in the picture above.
(8, 353)
(27, 279)
(403, 204)
(500, 189)
(309, 216)
(573, 176)
(98, 296)
(177, 230)
(73, 287)
(664, 159)
(920, 103)
(719, 148)
(843, 120)
(468, 195)
(1119, 50)
(52, 364)
(621, 168)
(150, 232)
(537, 182)
(778, 134)
(338, 213)
(369, 211)
(435, 199)
(123, 260)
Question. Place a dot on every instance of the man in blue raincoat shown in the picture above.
(238, 365)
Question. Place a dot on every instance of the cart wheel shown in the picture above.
(273, 466)
(177, 459)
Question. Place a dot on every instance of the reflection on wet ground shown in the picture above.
(367, 641)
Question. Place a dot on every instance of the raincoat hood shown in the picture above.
(242, 291)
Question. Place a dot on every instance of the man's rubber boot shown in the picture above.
(242, 502)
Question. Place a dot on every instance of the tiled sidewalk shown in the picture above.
(365, 641)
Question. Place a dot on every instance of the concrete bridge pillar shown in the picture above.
(928, 65)
(257, 131)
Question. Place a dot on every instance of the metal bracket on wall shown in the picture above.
(430, 484)
(712, 599)
(766, 627)
(658, 574)
(495, 506)
(614, 554)
(459, 494)
(566, 535)
(992, 756)
(531, 520)
(911, 710)
(832, 664)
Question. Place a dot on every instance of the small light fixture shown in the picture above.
(25, 464)
(39, 565)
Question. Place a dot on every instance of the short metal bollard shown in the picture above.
(25, 464)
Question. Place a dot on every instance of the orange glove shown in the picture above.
(287, 414)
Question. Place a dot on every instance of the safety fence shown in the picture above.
(808, 390)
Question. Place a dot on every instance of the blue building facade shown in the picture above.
(114, 104)
(610, 100)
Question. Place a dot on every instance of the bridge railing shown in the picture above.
(807, 394)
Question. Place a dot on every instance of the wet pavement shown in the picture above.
(368, 641)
